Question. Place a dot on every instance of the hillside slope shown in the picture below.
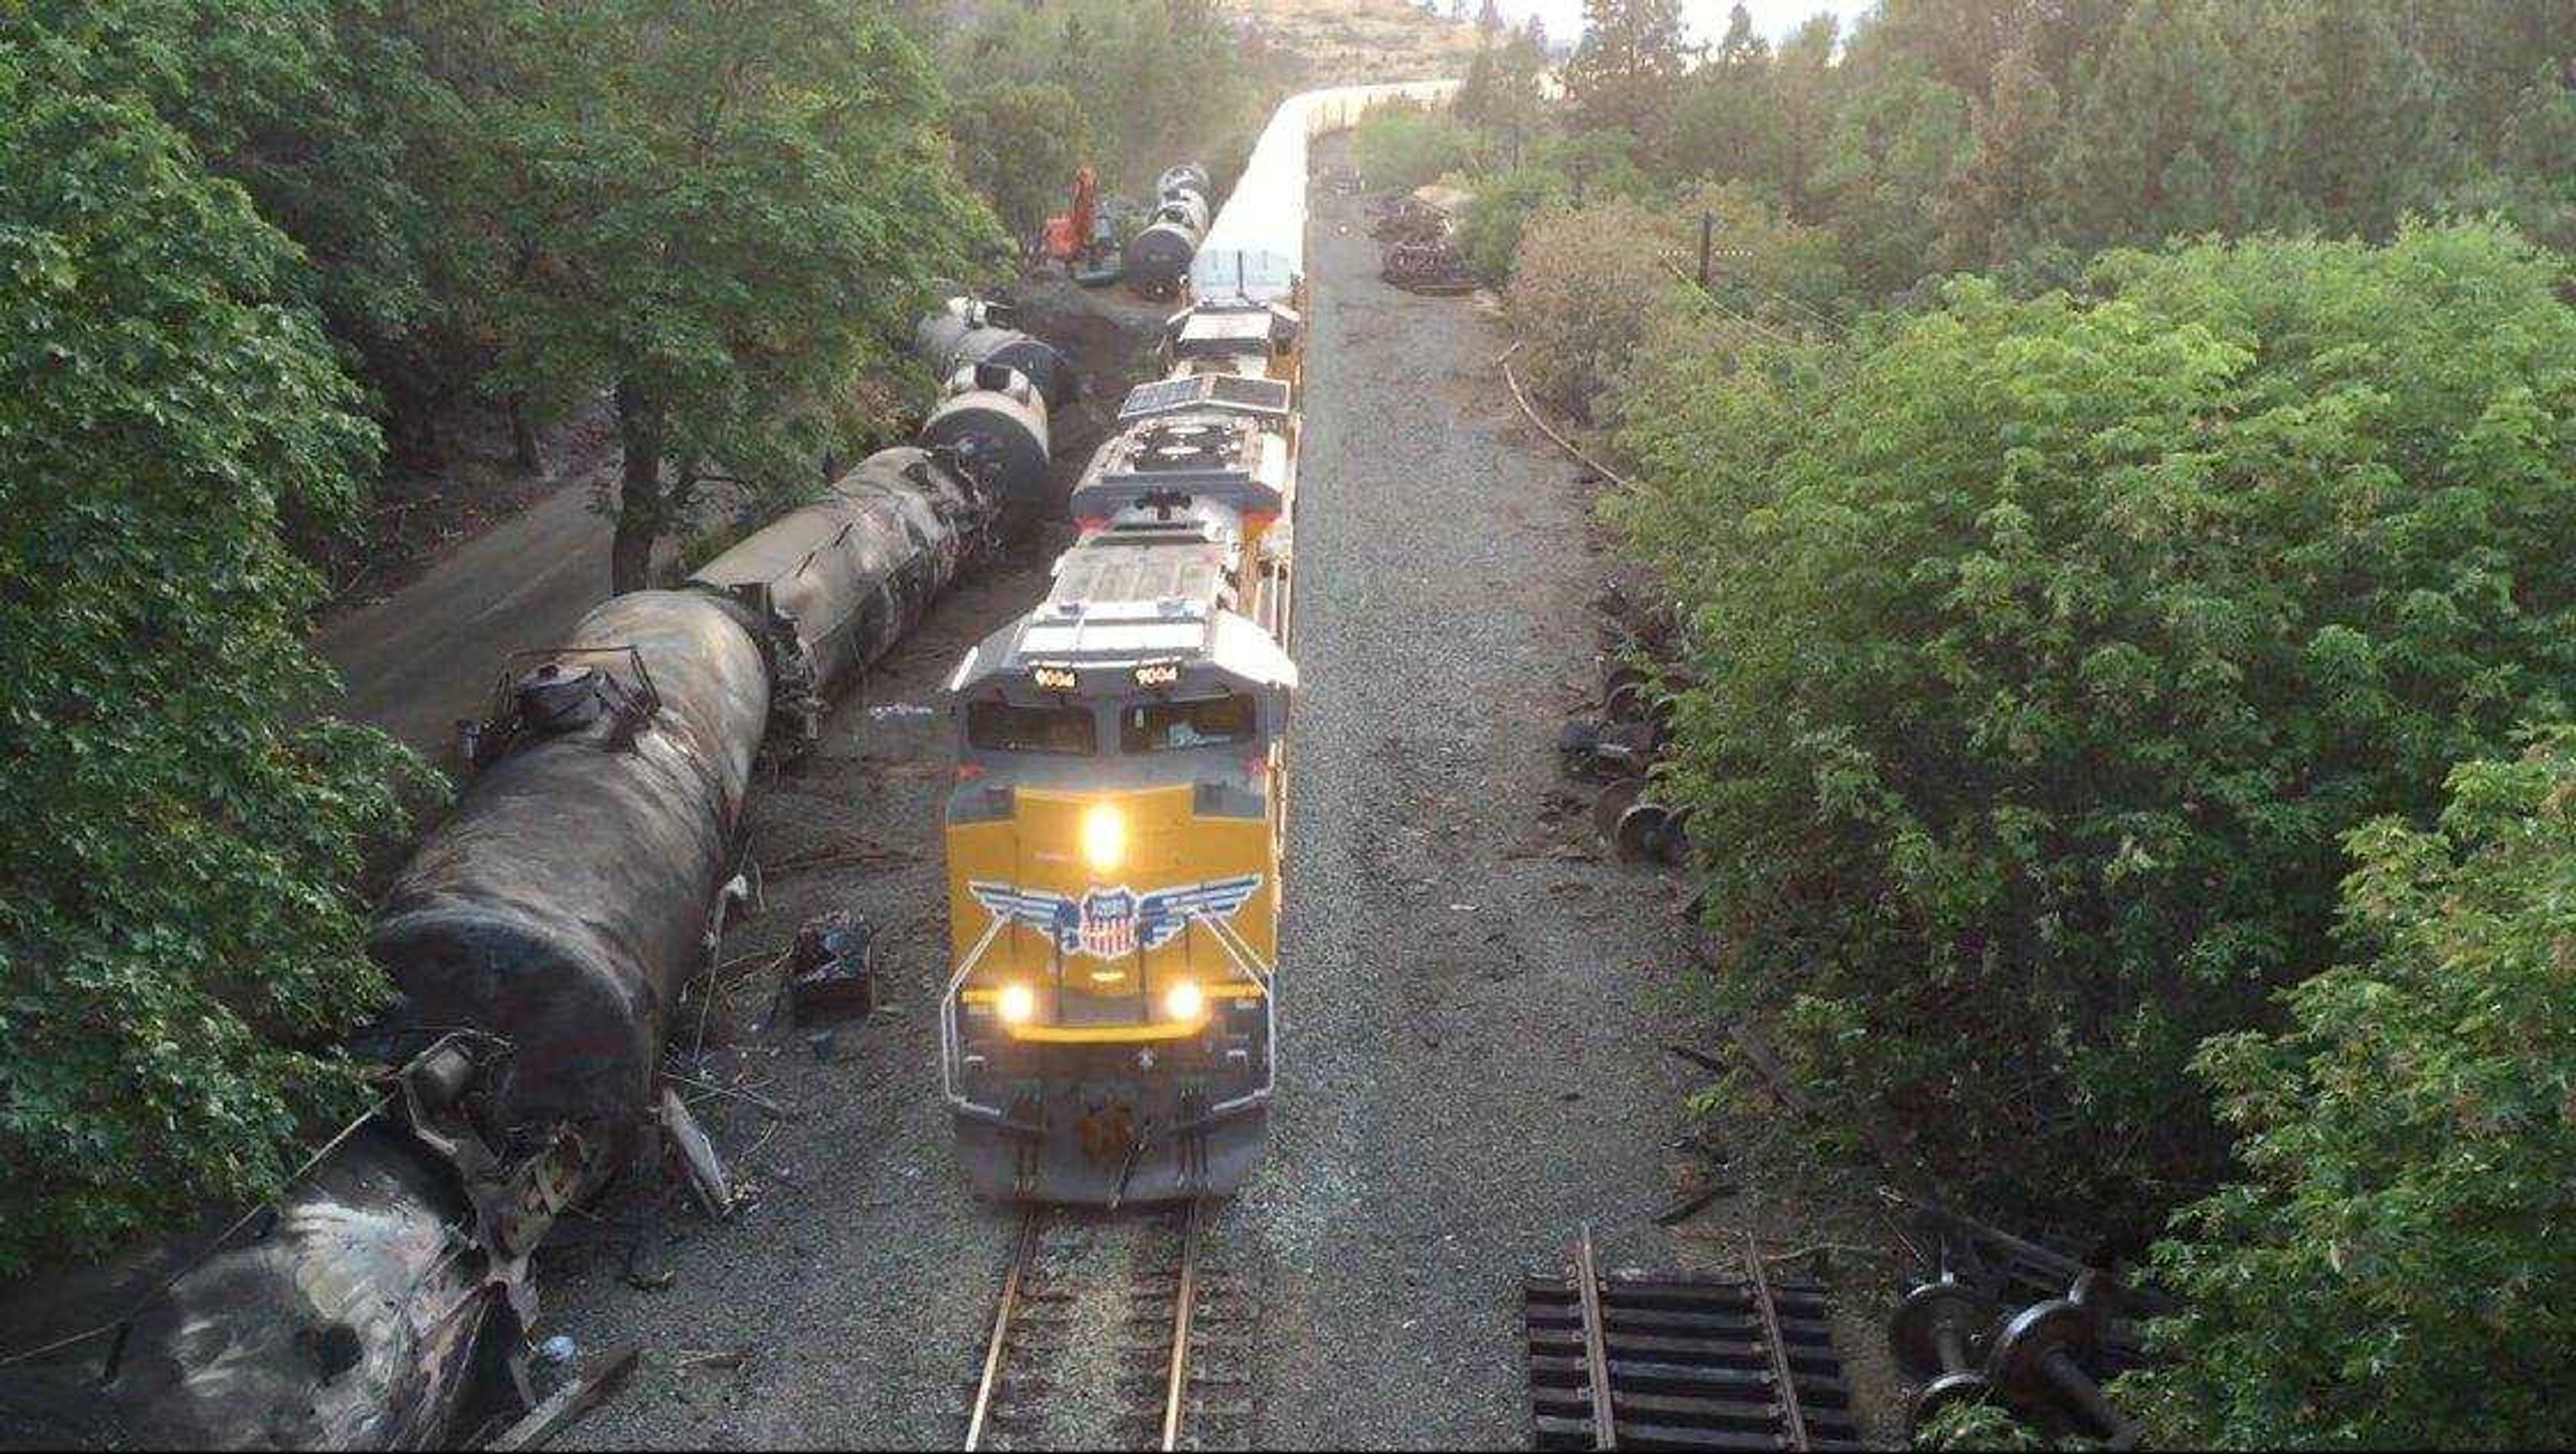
(1339, 42)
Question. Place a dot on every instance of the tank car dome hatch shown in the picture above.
(560, 697)
(995, 423)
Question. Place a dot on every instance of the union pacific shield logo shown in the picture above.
(1113, 923)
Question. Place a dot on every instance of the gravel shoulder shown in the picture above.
(1472, 1004)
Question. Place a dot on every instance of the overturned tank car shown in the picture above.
(538, 938)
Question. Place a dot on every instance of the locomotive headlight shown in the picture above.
(1184, 1001)
(1017, 1003)
(1104, 838)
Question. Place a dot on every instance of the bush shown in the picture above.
(1400, 148)
(1763, 266)
(1489, 231)
(2392, 1270)
(1588, 285)
(178, 858)
(2048, 649)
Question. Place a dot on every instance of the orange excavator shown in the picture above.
(1076, 238)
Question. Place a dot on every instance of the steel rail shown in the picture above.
(1792, 1416)
(1596, 1353)
(1184, 1304)
(1023, 1256)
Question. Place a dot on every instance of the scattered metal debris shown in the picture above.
(706, 1171)
(569, 1404)
(832, 969)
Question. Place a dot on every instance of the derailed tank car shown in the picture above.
(835, 584)
(568, 897)
(538, 937)
(964, 332)
(995, 422)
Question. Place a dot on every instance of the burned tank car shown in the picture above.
(839, 581)
(354, 1319)
(567, 898)
(994, 421)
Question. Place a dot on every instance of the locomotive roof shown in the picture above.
(1207, 452)
(1152, 594)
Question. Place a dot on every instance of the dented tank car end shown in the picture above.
(995, 422)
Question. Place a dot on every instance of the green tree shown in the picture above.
(1507, 105)
(2391, 1269)
(1895, 146)
(730, 217)
(2048, 648)
(2374, 139)
(179, 920)
(1403, 147)
(1155, 81)
(1624, 73)
(1805, 90)
(320, 112)
(1019, 143)
(1725, 124)
(2178, 125)
(1990, 208)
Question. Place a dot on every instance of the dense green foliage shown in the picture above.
(214, 219)
(1946, 135)
(2395, 1270)
(2050, 647)
(177, 932)
(1400, 148)
(2061, 638)
(726, 218)
(1141, 87)
(1020, 143)
(536, 205)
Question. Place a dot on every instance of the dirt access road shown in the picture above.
(427, 655)
(1470, 1018)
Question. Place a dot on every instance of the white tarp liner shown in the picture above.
(1256, 248)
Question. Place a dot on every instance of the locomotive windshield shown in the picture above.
(1067, 728)
(1175, 726)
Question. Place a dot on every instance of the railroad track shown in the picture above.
(1688, 1362)
(1111, 1332)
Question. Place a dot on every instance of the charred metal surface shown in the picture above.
(360, 1309)
(835, 584)
(995, 421)
(567, 898)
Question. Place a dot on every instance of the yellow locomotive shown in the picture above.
(1114, 831)
(1109, 1030)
